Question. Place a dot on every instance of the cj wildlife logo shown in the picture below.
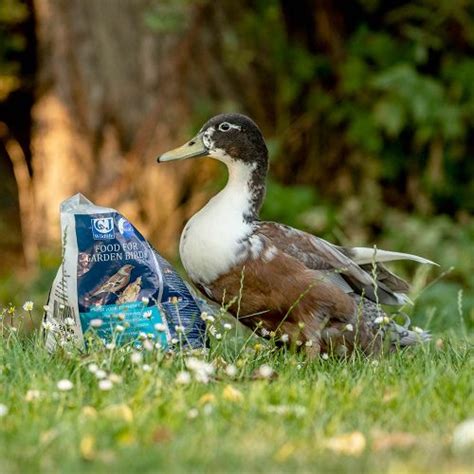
(103, 228)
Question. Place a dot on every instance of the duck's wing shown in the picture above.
(357, 270)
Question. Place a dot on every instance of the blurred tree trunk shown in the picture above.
(112, 95)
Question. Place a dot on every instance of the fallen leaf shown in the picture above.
(161, 434)
(356, 391)
(352, 444)
(120, 411)
(231, 394)
(207, 398)
(47, 436)
(389, 395)
(107, 456)
(89, 412)
(285, 451)
(87, 447)
(383, 441)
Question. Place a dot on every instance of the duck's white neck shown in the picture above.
(237, 193)
(212, 240)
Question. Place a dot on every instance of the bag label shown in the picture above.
(118, 280)
(132, 319)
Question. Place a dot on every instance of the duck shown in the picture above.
(280, 281)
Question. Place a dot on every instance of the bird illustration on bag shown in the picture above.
(116, 282)
(131, 292)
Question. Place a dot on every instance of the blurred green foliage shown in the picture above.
(392, 84)
(12, 41)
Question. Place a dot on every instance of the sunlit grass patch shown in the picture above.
(241, 406)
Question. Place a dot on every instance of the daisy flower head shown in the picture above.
(463, 436)
(32, 395)
(115, 378)
(64, 385)
(179, 329)
(183, 378)
(105, 385)
(93, 368)
(148, 345)
(96, 323)
(201, 370)
(47, 326)
(28, 305)
(265, 371)
(160, 327)
(231, 370)
(136, 357)
(100, 374)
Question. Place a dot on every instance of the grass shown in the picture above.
(393, 414)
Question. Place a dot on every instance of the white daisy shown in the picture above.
(28, 305)
(183, 378)
(64, 385)
(105, 385)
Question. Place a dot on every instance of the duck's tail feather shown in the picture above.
(366, 255)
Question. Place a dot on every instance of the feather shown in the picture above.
(365, 255)
(336, 264)
(389, 279)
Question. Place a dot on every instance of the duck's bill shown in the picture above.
(193, 149)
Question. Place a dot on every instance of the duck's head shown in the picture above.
(230, 138)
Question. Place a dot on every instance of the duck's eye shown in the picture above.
(224, 127)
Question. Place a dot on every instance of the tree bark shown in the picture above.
(112, 95)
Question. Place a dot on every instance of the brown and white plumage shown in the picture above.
(277, 278)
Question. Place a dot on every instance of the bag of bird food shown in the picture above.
(114, 285)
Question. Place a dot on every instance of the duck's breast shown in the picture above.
(213, 241)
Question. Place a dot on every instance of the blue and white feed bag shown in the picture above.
(114, 283)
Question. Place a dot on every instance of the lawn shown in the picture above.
(255, 409)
